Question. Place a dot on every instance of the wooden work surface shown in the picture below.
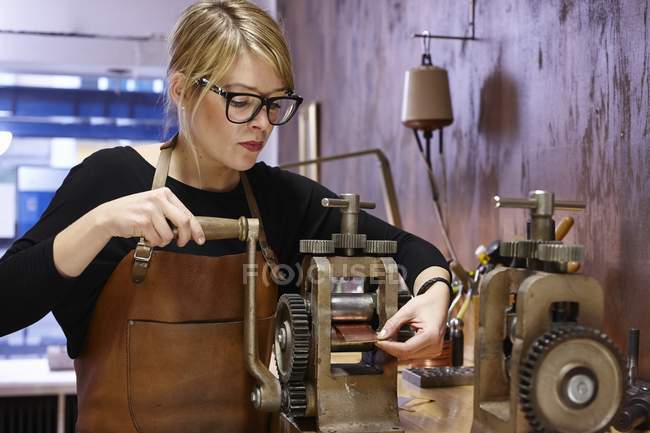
(439, 410)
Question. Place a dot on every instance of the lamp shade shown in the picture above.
(426, 103)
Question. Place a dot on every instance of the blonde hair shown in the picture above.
(209, 36)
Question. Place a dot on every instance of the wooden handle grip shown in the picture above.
(221, 228)
(563, 228)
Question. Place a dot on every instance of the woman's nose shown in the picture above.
(261, 119)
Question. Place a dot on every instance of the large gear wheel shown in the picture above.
(561, 253)
(571, 381)
(292, 339)
(349, 240)
(507, 248)
(294, 399)
(528, 249)
(380, 247)
(316, 246)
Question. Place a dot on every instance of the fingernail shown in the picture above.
(201, 240)
(382, 334)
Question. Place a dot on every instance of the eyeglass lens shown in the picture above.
(242, 108)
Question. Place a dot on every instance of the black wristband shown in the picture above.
(430, 282)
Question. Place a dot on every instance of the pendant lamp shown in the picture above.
(426, 104)
(426, 107)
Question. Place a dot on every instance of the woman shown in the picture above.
(164, 354)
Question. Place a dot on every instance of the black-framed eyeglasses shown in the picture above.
(243, 107)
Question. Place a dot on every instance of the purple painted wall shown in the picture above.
(554, 95)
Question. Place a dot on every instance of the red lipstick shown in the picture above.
(253, 146)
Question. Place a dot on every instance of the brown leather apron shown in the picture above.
(166, 354)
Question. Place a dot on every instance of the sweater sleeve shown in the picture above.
(310, 220)
(31, 285)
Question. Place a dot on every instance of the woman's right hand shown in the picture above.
(149, 214)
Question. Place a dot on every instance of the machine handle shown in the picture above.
(222, 228)
(540, 200)
(570, 205)
(266, 392)
(341, 202)
(522, 203)
(350, 204)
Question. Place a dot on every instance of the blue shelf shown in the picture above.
(82, 113)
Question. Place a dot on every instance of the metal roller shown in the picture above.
(352, 307)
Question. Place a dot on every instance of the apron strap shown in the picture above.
(144, 252)
(269, 256)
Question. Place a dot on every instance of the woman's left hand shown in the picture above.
(427, 314)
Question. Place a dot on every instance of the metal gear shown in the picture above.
(292, 338)
(507, 249)
(380, 247)
(294, 399)
(526, 249)
(571, 381)
(560, 253)
(349, 240)
(316, 246)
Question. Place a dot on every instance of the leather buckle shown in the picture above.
(143, 247)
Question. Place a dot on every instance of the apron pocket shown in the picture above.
(191, 377)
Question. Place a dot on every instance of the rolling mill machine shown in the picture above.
(349, 290)
(542, 361)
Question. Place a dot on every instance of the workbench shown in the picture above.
(440, 410)
(421, 410)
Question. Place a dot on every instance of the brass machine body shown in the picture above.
(516, 309)
(345, 398)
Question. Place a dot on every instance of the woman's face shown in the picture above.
(236, 146)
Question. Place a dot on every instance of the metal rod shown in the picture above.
(436, 206)
(570, 205)
(455, 38)
(309, 138)
(427, 136)
(632, 355)
(417, 139)
(390, 196)
(471, 24)
(522, 203)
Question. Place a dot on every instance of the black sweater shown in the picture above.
(290, 207)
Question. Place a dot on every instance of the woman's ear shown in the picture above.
(176, 82)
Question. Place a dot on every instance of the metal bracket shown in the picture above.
(471, 24)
